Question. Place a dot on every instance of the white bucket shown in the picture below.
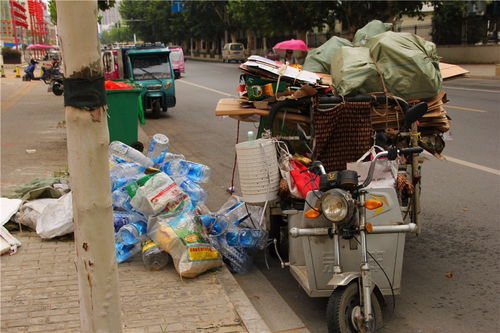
(258, 170)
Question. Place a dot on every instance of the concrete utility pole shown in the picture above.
(88, 139)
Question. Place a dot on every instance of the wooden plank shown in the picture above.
(231, 107)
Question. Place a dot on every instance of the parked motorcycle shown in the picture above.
(348, 241)
(54, 78)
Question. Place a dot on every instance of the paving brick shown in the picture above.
(151, 301)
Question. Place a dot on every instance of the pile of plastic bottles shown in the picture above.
(235, 233)
(138, 200)
(129, 165)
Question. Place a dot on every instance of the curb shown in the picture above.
(249, 316)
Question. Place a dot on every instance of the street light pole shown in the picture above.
(87, 140)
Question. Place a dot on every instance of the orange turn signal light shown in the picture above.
(369, 227)
(312, 213)
(373, 204)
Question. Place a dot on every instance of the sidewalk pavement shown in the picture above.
(39, 293)
(39, 286)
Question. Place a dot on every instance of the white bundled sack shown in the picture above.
(31, 211)
(57, 218)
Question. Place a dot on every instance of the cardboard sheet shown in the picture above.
(449, 71)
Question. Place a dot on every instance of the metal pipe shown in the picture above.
(337, 269)
(362, 225)
(365, 267)
(388, 229)
(415, 174)
(298, 232)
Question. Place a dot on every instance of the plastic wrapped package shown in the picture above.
(156, 193)
(182, 237)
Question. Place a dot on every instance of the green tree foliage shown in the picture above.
(452, 23)
(102, 4)
(209, 20)
(121, 34)
(447, 20)
(355, 14)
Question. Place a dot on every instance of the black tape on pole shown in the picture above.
(84, 92)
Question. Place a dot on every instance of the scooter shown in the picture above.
(54, 78)
(347, 243)
(30, 71)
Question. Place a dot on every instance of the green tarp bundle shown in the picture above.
(354, 71)
(318, 60)
(373, 28)
(408, 64)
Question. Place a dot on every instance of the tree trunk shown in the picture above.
(250, 41)
(234, 37)
(88, 139)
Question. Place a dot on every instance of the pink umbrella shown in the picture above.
(292, 44)
(41, 46)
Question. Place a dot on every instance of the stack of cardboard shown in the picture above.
(435, 119)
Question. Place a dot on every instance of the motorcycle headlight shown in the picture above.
(337, 206)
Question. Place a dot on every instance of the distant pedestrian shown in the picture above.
(289, 58)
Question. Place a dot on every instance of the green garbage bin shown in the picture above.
(124, 109)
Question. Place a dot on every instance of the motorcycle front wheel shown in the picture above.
(343, 303)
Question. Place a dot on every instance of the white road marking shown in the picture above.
(471, 89)
(465, 109)
(470, 164)
(206, 88)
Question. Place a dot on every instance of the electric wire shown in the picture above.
(387, 277)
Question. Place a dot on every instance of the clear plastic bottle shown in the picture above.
(213, 225)
(125, 251)
(128, 153)
(195, 191)
(157, 145)
(153, 257)
(121, 199)
(122, 218)
(238, 258)
(246, 237)
(126, 170)
(196, 172)
(235, 214)
(166, 157)
(133, 233)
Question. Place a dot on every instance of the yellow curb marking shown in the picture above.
(465, 109)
